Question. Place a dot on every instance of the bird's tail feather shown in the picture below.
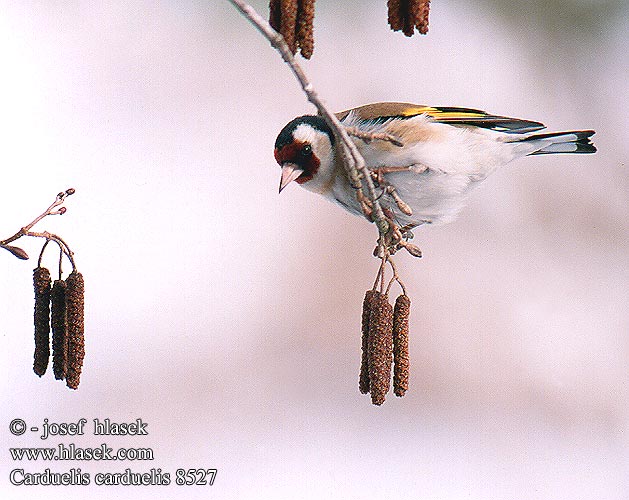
(576, 141)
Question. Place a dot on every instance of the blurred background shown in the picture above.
(227, 317)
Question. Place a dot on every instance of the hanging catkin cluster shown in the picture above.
(61, 307)
(406, 15)
(384, 343)
(294, 20)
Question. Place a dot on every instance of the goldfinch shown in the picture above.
(431, 156)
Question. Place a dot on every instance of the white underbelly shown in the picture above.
(434, 197)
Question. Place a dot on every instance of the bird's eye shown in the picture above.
(306, 150)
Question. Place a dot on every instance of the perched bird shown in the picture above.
(429, 157)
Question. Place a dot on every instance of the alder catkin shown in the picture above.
(75, 302)
(421, 16)
(41, 284)
(363, 382)
(401, 314)
(275, 15)
(59, 329)
(288, 23)
(380, 348)
(395, 16)
(406, 15)
(305, 23)
(411, 11)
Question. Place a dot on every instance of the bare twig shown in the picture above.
(367, 137)
(395, 277)
(41, 253)
(55, 208)
(353, 161)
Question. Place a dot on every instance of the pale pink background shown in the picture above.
(227, 316)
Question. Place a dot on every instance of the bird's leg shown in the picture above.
(388, 170)
(378, 176)
(401, 204)
(407, 231)
(378, 173)
(365, 204)
(402, 235)
(397, 237)
(399, 240)
(367, 137)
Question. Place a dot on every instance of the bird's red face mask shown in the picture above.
(298, 163)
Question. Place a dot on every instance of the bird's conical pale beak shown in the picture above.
(290, 172)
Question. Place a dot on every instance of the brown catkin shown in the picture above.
(75, 301)
(41, 284)
(401, 313)
(275, 15)
(422, 17)
(406, 15)
(380, 348)
(411, 9)
(395, 16)
(305, 22)
(363, 381)
(59, 329)
(288, 23)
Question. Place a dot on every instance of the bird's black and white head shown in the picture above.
(305, 151)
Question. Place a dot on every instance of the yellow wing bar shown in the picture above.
(453, 116)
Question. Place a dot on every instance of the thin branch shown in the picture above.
(41, 253)
(55, 208)
(395, 277)
(353, 161)
(49, 211)
(63, 246)
(367, 137)
(60, 263)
